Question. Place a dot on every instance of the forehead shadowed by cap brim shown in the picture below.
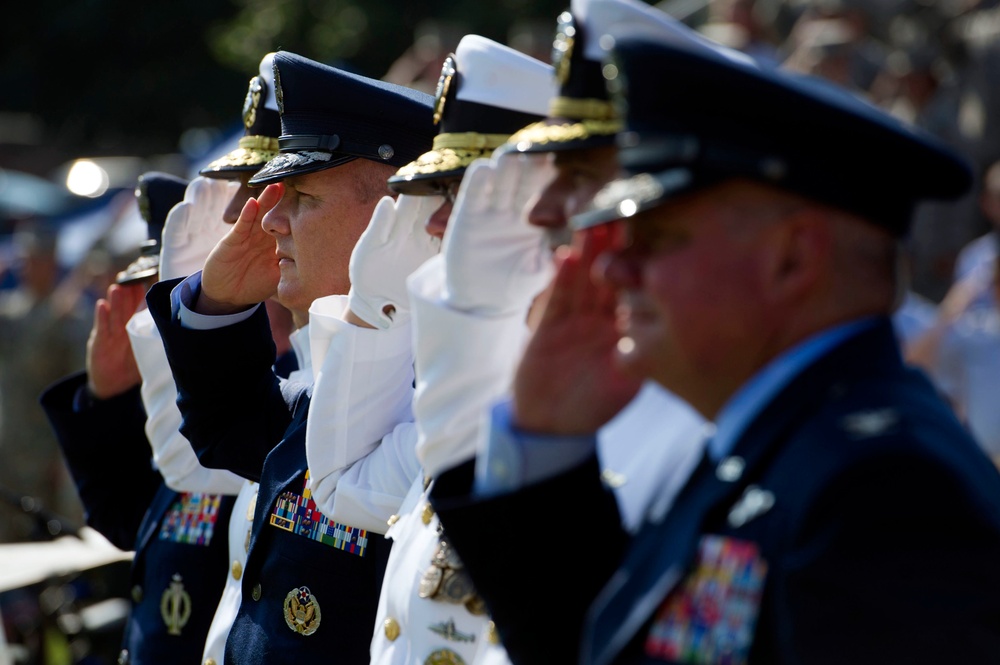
(425, 175)
(289, 164)
(557, 134)
(240, 160)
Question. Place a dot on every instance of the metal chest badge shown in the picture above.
(562, 46)
(175, 606)
(444, 657)
(447, 580)
(301, 611)
(252, 102)
(448, 71)
(711, 617)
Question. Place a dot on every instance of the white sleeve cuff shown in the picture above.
(182, 300)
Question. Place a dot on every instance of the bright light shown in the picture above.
(86, 178)
(626, 345)
(627, 208)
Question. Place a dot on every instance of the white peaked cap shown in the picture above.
(606, 20)
(267, 75)
(499, 76)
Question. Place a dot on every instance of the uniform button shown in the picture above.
(209, 661)
(730, 469)
(256, 592)
(137, 593)
(123, 658)
(237, 570)
(391, 627)
(392, 519)
(428, 514)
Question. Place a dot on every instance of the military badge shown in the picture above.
(562, 46)
(710, 618)
(446, 579)
(754, 503)
(444, 84)
(444, 657)
(175, 606)
(252, 102)
(191, 520)
(301, 611)
(449, 631)
(298, 514)
(866, 424)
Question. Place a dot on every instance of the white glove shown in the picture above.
(463, 363)
(495, 262)
(394, 245)
(194, 226)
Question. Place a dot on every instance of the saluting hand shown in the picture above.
(242, 270)
(393, 246)
(568, 381)
(111, 367)
(194, 226)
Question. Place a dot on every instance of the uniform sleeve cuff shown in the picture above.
(182, 300)
(514, 458)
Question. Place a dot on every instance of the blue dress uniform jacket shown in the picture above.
(855, 521)
(310, 587)
(179, 539)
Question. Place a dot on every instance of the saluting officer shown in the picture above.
(485, 92)
(310, 585)
(193, 227)
(657, 430)
(179, 538)
(840, 513)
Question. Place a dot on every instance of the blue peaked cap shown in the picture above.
(155, 194)
(330, 117)
(696, 116)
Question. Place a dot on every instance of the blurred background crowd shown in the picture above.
(96, 93)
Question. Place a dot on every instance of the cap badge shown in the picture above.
(252, 102)
(279, 95)
(444, 84)
(562, 46)
(302, 611)
(142, 199)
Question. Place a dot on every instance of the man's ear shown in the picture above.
(799, 254)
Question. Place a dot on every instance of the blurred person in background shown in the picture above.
(39, 342)
(179, 538)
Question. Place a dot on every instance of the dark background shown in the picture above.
(118, 77)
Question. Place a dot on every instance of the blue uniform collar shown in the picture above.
(747, 402)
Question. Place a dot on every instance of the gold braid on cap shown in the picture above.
(259, 143)
(469, 141)
(581, 109)
(543, 133)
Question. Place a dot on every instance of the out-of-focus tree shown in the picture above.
(119, 76)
